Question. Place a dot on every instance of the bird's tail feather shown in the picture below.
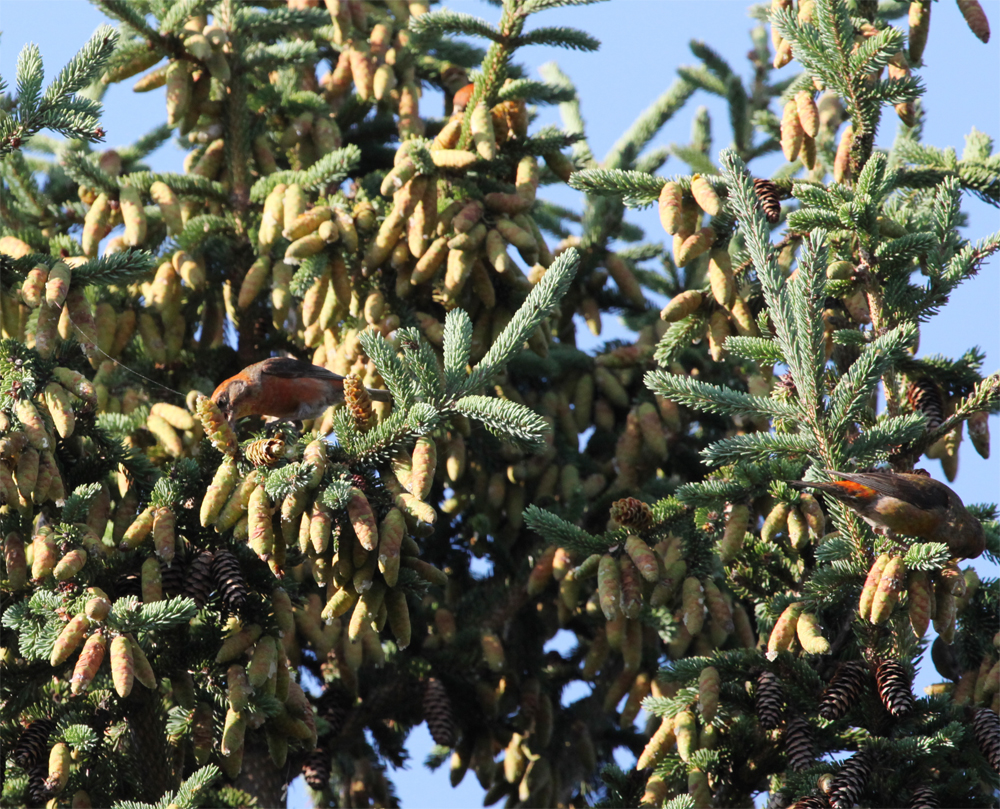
(809, 484)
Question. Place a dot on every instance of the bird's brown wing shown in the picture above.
(290, 368)
(901, 487)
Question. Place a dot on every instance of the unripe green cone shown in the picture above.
(709, 684)
(810, 636)
(658, 745)
(890, 585)
(263, 662)
(784, 630)
(69, 639)
(686, 731)
(609, 586)
(122, 665)
(871, 585)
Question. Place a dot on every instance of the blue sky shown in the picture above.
(643, 42)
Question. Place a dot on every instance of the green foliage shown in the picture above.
(60, 108)
(488, 439)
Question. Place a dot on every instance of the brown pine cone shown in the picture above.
(359, 402)
(811, 802)
(925, 397)
(229, 579)
(849, 784)
(923, 798)
(631, 514)
(32, 745)
(894, 688)
(265, 451)
(986, 729)
(769, 700)
(843, 690)
(128, 585)
(334, 705)
(767, 195)
(799, 743)
(316, 769)
(38, 792)
(173, 578)
(198, 581)
(438, 713)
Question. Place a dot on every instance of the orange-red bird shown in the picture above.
(914, 505)
(284, 388)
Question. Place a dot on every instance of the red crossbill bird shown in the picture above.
(283, 388)
(914, 505)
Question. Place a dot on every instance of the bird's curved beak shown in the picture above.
(227, 412)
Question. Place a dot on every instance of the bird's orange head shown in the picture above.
(235, 397)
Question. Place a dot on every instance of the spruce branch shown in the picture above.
(457, 348)
(874, 443)
(703, 79)
(23, 184)
(569, 111)
(510, 421)
(78, 503)
(985, 396)
(336, 495)
(678, 337)
(874, 53)
(179, 12)
(627, 148)
(653, 160)
(806, 297)
(834, 550)
(84, 169)
(896, 253)
(331, 169)
(29, 74)
(850, 396)
(540, 303)
(807, 219)
(557, 531)
(927, 556)
(712, 59)
(714, 399)
(559, 37)
(188, 796)
(83, 69)
(422, 363)
(789, 309)
(445, 21)
(534, 6)
(58, 109)
(114, 268)
(543, 142)
(757, 447)
(265, 24)
(184, 185)
(282, 54)
(146, 145)
(127, 13)
(637, 189)
(758, 349)
(376, 445)
(199, 228)
(389, 367)
(129, 615)
(535, 92)
(287, 480)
